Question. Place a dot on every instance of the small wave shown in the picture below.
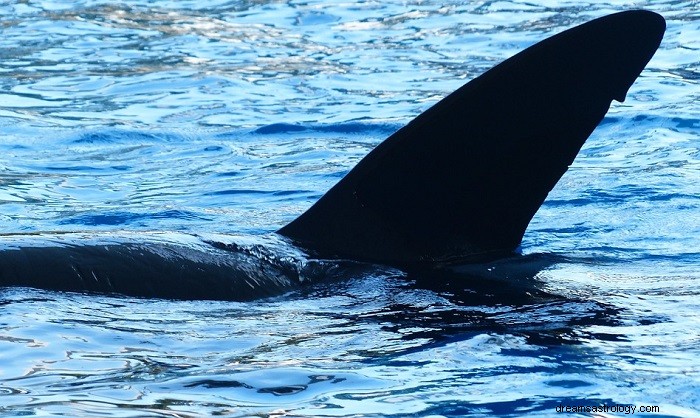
(127, 218)
(340, 128)
(117, 136)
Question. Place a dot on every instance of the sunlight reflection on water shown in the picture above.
(232, 117)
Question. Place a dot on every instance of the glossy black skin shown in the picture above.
(462, 181)
(155, 269)
(458, 184)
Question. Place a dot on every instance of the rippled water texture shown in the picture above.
(234, 116)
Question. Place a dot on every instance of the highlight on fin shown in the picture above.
(463, 179)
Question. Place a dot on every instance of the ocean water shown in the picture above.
(232, 117)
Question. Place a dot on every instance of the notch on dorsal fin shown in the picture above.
(465, 178)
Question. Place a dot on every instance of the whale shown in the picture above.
(457, 185)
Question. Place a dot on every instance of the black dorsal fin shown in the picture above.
(465, 178)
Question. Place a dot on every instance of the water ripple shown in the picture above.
(225, 117)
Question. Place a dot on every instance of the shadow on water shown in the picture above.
(500, 317)
(441, 306)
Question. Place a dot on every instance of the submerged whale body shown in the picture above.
(458, 184)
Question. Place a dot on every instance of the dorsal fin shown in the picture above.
(465, 178)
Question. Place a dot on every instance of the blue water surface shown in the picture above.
(232, 117)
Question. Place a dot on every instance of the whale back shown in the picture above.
(463, 179)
